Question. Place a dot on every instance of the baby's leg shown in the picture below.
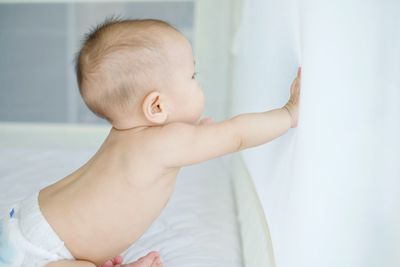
(70, 263)
(152, 259)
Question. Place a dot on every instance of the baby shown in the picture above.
(139, 75)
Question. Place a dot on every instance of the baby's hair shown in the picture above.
(119, 61)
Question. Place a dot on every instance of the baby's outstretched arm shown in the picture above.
(259, 128)
(185, 144)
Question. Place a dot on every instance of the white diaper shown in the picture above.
(27, 239)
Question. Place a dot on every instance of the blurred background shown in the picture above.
(39, 39)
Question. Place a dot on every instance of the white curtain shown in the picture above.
(330, 188)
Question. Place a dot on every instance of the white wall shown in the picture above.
(330, 189)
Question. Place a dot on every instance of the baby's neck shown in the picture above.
(117, 135)
(130, 130)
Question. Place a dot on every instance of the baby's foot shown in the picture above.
(152, 259)
(114, 262)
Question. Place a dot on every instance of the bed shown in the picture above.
(212, 219)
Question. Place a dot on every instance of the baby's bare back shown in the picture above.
(108, 203)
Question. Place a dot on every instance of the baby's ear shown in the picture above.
(153, 108)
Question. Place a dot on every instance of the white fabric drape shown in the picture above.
(330, 188)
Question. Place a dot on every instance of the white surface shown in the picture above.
(330, 188)
(198, 227)
(256, 240)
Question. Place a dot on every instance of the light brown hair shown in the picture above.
(119, 61)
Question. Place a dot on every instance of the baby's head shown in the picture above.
(139, 73)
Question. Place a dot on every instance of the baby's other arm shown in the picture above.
(184, 144)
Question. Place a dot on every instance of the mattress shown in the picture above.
(197, 228)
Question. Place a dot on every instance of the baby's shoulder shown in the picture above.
(157, 138)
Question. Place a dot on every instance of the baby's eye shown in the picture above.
(194, 75)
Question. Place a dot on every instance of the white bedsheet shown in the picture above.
(198, 227)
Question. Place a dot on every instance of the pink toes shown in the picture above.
(157, 262)
(152, 259)
(117, 260)
(110, 263)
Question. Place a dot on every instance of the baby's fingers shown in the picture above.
(295, 88)
(297, 81)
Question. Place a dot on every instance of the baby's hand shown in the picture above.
(292, 106)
